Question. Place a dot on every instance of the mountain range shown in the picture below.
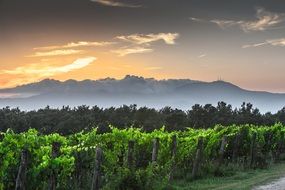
(177, 93)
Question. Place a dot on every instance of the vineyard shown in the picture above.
(132, 159)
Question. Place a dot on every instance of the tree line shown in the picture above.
(69, 120)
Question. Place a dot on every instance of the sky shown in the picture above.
(242, 41)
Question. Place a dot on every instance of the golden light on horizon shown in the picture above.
(76, 60)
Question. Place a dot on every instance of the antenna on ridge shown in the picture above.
(220, 78)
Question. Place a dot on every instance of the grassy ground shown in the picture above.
(240, 180)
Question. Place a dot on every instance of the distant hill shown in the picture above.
(177, 93)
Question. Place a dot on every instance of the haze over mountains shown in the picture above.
(177, 93)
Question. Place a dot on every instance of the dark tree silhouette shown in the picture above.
(71, 120)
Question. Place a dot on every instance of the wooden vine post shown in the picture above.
(1, 136)
(173, 156)
(236, 147)
(54, 154)
(252, 151)
(22, 172)
(173, 146)
(97, 169)
(130, 155)
(279, 148)
(221, 154)
(155, 148)
(269, 152)
(198, 158)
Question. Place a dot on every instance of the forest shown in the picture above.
(67, 120)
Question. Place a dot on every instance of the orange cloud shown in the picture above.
(34, 72)
(168, 38)
(56, 53)
(131, 50)
(75, 44)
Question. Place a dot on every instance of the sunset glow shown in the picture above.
(202, 45)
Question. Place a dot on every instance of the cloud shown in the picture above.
(277, 42)
(115, 3)
(197, 19)
(273, 42)
(131, 50)
(141, 43)
(254, 45)
(55, 53)
(265, 20)
(75, 44)
(226, 23)
(202, 55)
(45, 71)
(9, 95)
(168, 38)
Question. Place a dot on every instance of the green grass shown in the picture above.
(240, 180)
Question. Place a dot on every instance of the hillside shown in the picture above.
(178, 93)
